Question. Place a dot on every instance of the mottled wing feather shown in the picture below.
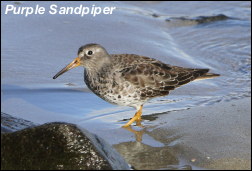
(155, 78)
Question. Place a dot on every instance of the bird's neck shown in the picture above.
(98, 71)
(93, 77)
(97, 66)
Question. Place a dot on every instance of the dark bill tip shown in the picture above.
(75, 63)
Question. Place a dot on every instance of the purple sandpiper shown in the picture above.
(129, 79)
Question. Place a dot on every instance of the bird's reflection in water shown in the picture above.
(138, 134)
(154, 151)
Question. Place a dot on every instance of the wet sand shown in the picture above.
(212, 137)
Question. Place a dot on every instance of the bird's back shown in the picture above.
(153, 77)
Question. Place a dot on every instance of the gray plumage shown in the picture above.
(129, 79)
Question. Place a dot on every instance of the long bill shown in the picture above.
(75, 63)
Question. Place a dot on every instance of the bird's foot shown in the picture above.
(137, 118)
(139, 123)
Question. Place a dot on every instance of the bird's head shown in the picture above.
(91, 56)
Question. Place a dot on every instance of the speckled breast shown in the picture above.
(117, 91)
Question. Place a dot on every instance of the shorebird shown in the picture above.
(129, 79)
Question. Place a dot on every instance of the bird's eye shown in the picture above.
(90, 52)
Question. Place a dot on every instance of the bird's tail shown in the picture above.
(207, 76)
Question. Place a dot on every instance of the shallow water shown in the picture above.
(35, 48)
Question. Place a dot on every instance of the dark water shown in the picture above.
(215, 35)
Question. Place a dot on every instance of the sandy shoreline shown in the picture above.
(213, 137)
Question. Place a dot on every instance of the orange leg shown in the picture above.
(137, 118)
